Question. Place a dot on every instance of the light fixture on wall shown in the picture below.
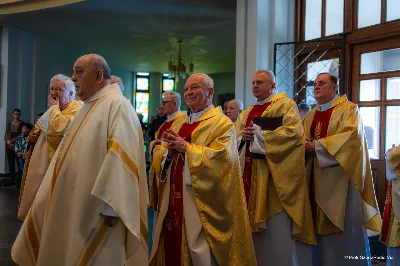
(178, 70)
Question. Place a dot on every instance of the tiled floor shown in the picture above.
(9, 223)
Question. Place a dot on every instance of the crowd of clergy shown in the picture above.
(240, 187)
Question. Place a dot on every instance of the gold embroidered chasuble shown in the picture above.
(346, 142)
(100, 160)
(218, 194)
(52, 127)
(279, 181)
(391, 221)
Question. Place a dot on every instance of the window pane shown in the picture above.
(334, 17)
(380, 61)
(168, 85)
(142, 105)
(392, 126)
(330, 66)
(370, 90)
(142, 84)
(369, 13)
(393, 88)
(310, 100)
(392, 9)
(313, 19)
(370, 117)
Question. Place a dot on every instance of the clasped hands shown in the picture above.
(175, 143)
(248, 133)
(310, 146)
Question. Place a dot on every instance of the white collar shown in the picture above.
(266, 100)
(172, 116)
(325, 106)
(94, 95)
(193, 116)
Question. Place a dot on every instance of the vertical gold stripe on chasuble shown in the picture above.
(125, 158)
(59, 163)
(143, 232)
(94, 243)
(33, 237)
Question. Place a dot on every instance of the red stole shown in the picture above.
(257, 111)
(318, 130)
(166, 125)
(387, 213)
(173, 222)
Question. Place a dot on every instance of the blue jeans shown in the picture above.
(20, 162)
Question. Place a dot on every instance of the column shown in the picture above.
(259, 25)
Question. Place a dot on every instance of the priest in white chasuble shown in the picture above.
(91, 206)
(272, 154)
(171, 105)
(202, 218)
(390, 233)
(44, 140)
(338, 167)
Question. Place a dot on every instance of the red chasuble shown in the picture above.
(257, 111)
(387, 213)
(318, 130)
(173, 222)
(164, 127)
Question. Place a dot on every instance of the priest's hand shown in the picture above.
(111, 221)
(52, 101)
(33, 137)
(248, 133)
(387, 154)
(175, 142)
(310, 146)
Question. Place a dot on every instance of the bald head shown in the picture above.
(91, 74)
(118, 80)
(234, 108)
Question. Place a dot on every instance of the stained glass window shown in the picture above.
(168, 84)
(142, 95)
(142, 105)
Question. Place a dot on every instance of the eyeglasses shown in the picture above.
(57, 89)
(165, 102)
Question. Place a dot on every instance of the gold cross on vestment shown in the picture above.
(174, 195)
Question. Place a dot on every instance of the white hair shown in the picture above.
(267, 72)
(176, 96)
(118, 80)
(69, 84)
(207, 80)
(239, 103)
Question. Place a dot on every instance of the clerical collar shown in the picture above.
(325, 106)
(193, 116)
(266, 100)
(170, 117)
(94, 95)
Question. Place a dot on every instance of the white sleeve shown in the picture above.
(186, 173)
(390, 173)
(257, 145)
(108, 211)
(323, 156)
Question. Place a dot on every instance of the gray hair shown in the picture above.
(240, 104)
(207, 80)
(69, 84)
(118, 80)
(176, 96)
(267, 72)
(100, 64)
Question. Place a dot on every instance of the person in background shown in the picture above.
(304, 109)
(13, 131)
(234, 108)
(225, 107)
(118, 80)
(159, 120)
(20, 147)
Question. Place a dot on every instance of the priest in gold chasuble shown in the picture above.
(91, 208)
(338, 168)
(272, 160)
(390, 234)
(171, 105)
(44, 141)
(202, 217)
